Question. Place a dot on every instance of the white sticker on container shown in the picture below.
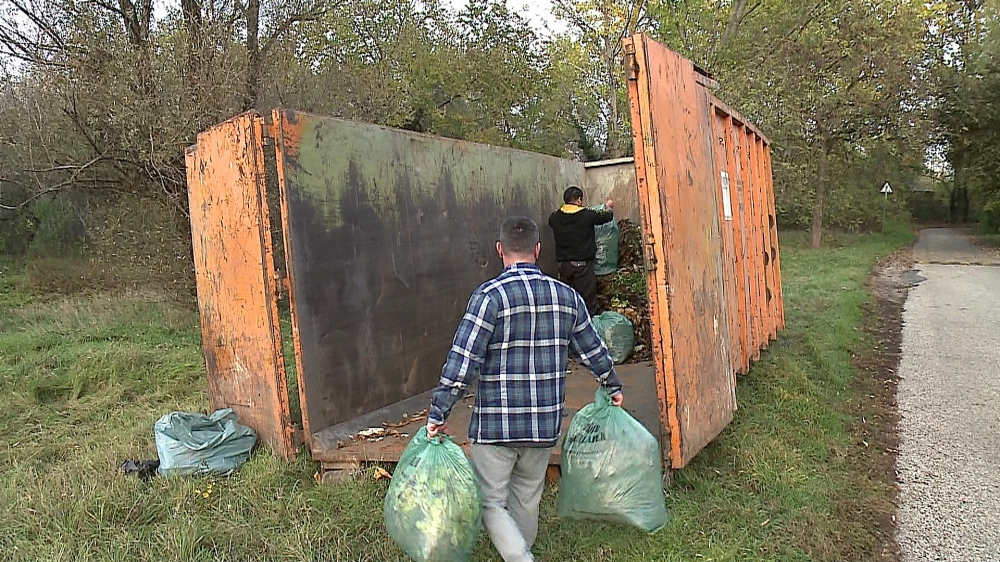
(727, 203)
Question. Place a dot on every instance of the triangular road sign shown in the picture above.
(886, 188)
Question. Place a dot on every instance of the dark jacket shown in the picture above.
(573, 227)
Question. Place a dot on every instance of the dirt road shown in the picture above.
(949, 403)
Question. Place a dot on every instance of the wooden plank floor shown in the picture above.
(641, 401)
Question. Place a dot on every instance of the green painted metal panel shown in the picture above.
(387, 234)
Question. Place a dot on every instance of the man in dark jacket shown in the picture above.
(576, 247)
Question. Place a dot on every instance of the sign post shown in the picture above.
(886, 190)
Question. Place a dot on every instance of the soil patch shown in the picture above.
(876, 410)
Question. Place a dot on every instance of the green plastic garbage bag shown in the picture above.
(618, 334)
(189, 443)
(607, 236)
(433, 508)
(611, 469)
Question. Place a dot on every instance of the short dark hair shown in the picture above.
(519, 236)
(572, 193)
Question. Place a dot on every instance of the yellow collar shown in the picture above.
(569, 208)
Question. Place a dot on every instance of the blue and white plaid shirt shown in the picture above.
(516, 335)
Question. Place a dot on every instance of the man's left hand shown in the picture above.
(434, 428)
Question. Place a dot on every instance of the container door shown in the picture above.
(675, 172)
(236, 279)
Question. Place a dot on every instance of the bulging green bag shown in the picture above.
(192, 443)
(433, 508)
(611, 469)
(617, 333)
(606, 235)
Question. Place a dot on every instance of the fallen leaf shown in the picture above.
(380, 474)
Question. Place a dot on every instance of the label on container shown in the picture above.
(727, 203)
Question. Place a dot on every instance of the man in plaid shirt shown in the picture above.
(516, 335)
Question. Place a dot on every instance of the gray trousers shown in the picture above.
(511, 480)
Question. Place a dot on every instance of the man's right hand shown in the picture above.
(610, 204)
(618, 399)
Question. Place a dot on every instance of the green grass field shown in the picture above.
(84, 379)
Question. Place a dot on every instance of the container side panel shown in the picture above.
(236, 280)
(740, 239)
(776, 253)
(680, 124)
(756, 150)
(727, 222)
(752, 248)
(390, 232)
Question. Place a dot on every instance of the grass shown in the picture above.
(991, 240)
(84, 378)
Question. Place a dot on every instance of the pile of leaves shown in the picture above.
(624, 291)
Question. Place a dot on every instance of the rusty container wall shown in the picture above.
(743, 154)
(779, 301)
(730, 225)
(387, 234)
(614, 179)
(236, 281)
(752, 237)
(730, 163)
(675, 174)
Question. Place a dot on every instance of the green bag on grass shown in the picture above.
(433, 508)
(611, 469)
(607, 236)
(617, 333)
(192, 443)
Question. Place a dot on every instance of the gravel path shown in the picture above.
(949, 403)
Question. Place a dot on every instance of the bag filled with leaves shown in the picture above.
(611, 469)
(192, 443)
(433, 509)
(606, 235)
(617, 333)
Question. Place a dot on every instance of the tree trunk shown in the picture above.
(191, 12)
(611, 64)
(137, 17)
(253, 54)
(816, 232)
(614, 142)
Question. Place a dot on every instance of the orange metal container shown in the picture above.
(386, 232)
(703, 175)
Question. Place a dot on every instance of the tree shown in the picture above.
(966, 55)
(599, 27)
(831, 81)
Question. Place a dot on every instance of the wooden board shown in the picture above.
(675, 172)
(639, 387)
(236, 281)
